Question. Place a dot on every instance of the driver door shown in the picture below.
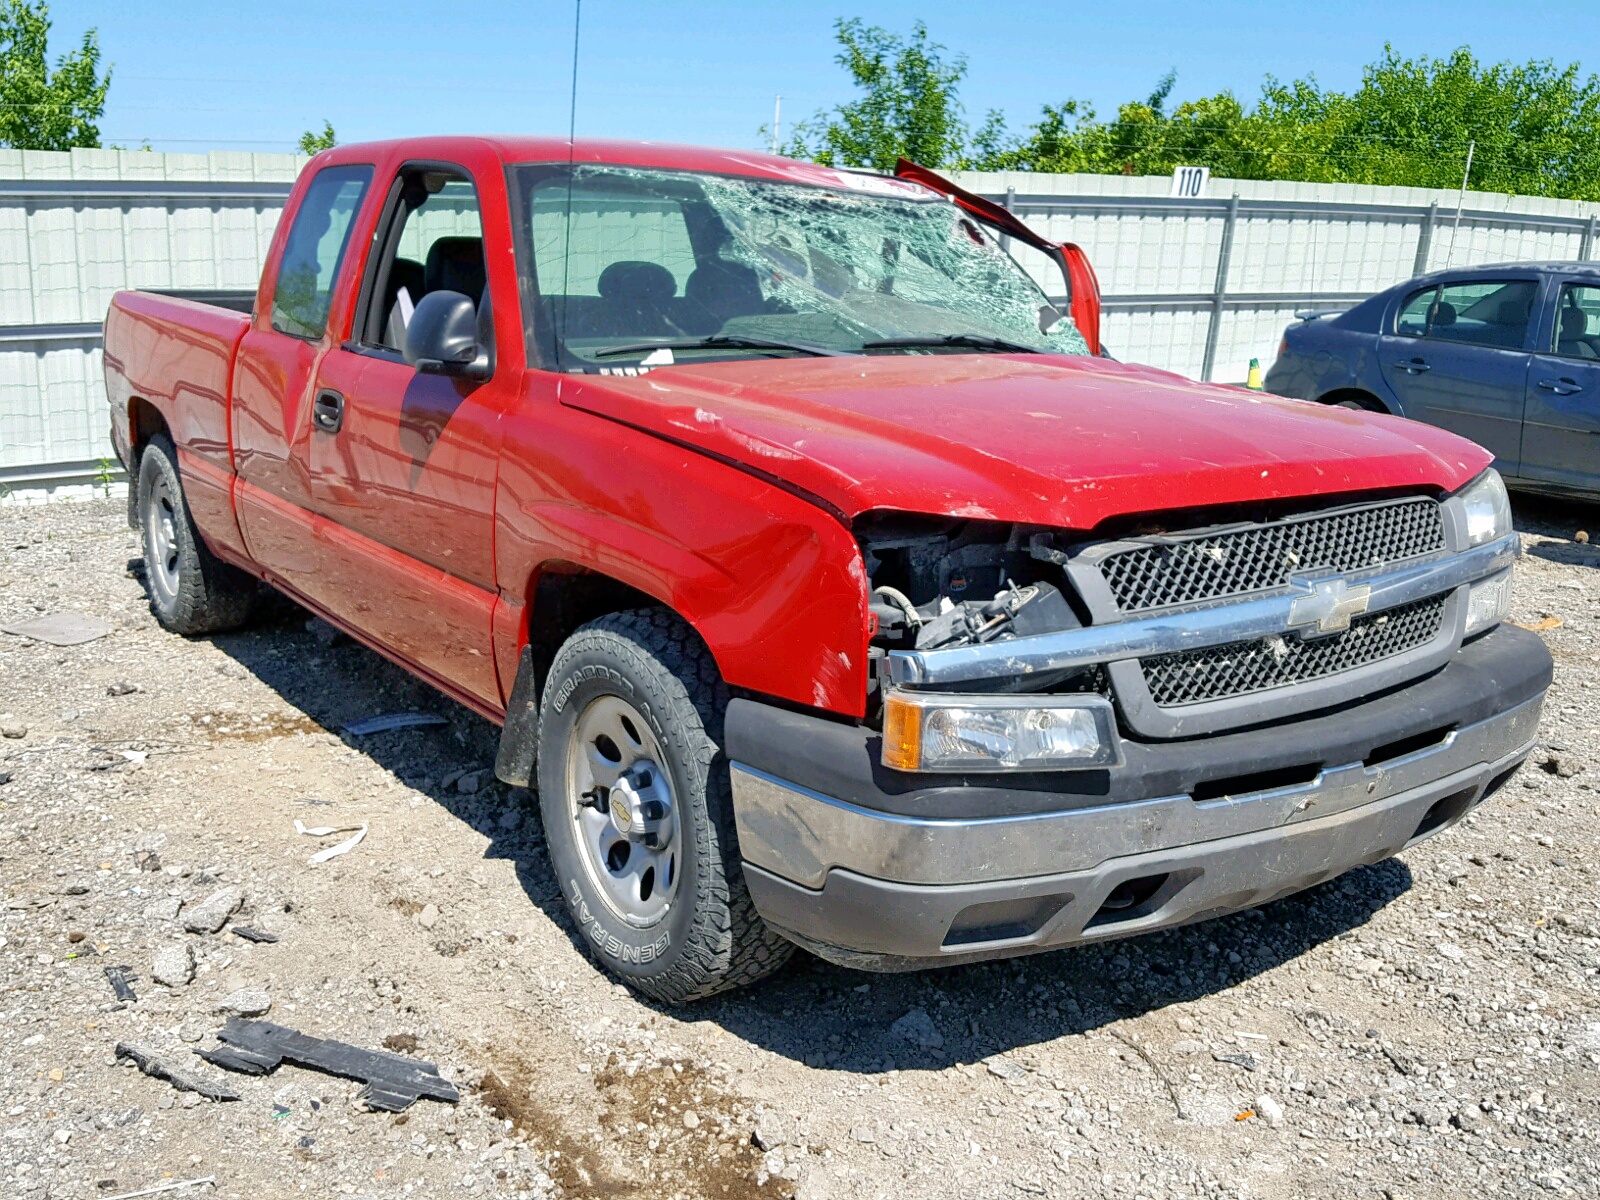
(403, 464)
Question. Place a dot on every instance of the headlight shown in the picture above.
(935, 732)
(1488, 509)
(1488, 603)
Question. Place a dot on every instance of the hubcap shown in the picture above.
(161, 539)
(620, 801)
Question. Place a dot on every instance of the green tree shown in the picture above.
(1535, 129)
(312, 142)
(41, 109)
(908, 107)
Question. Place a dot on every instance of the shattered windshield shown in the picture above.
(638, 267)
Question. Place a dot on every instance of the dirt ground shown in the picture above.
(1428, 1027)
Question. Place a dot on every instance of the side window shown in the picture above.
(434, 243)
(1413, 318)
(314, 250)
(1577, 332)
(1490, 313)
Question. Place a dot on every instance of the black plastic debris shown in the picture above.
(1247, 1061)
(185, 1081)
(253, 935)
(394, 1082)
(118, 978)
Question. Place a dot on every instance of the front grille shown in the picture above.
(1243, 668)
(1217, 566)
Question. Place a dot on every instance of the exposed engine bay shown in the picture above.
(942, 584)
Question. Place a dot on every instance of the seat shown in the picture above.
(455, 264)
(405, 275)
(1572, 339)
(636, 299)
(719, 290)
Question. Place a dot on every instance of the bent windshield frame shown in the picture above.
(617, 256)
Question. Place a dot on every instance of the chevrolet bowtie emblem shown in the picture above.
(1328, 604)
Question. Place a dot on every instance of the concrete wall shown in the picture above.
(76, 227)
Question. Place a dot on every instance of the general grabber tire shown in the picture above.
(638, 816)
(191, 590)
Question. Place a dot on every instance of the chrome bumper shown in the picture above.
(799, 835)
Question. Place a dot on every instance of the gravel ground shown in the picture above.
(1426, 1027)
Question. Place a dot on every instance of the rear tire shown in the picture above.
(638, 815)
(192, 591)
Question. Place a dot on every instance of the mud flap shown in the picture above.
(519, 738)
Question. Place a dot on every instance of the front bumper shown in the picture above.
(881, 870)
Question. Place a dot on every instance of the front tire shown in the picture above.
(638, 814)
(192, 591)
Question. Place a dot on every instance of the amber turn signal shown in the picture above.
(902, 733)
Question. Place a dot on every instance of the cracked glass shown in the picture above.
(625, 259)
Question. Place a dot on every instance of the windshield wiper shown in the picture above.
(719, 341)
(965, 341)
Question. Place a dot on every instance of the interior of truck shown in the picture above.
(432, 241)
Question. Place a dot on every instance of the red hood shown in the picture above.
(1036, 439)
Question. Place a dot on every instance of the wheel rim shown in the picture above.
(161, 538)
(623, 811)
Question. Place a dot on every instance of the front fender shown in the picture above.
(773, 584)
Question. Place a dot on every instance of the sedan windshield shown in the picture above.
(636, 267)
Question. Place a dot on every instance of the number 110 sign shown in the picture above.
(1189, 183)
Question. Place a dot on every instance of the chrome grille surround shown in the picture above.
(1246, 668)
(1150, 574)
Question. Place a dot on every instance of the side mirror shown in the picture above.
(442, 337)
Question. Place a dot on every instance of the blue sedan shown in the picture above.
(1508, 356)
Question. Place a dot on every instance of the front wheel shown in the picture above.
(637, 813)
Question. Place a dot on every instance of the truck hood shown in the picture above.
(1037, 439)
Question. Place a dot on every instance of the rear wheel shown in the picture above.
(191, 590)
(634, 794)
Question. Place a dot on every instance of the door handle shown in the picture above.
(327, 410)
(1561, 387)
(1415, 365)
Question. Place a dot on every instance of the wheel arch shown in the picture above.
(1358, 395)
(145, 421)
(560, 597)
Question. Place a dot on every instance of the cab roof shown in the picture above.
(754, 164)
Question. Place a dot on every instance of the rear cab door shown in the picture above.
(1561, 423)
(280, 358)
(1456, 355)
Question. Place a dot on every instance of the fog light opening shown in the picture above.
(1446, 811)
(1130, 899)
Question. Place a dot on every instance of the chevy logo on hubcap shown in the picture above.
(1328, 603)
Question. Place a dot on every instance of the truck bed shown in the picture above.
(175, 351)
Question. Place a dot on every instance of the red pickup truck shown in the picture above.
(826, 584)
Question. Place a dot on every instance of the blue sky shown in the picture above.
(197, 76)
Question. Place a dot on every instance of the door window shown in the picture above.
(1577, 331)
(314, 250)
(1413, 318)
(1487, 313)
(433, 243)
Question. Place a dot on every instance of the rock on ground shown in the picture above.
(212, 913)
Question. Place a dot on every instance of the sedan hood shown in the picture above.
(1037, 439)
